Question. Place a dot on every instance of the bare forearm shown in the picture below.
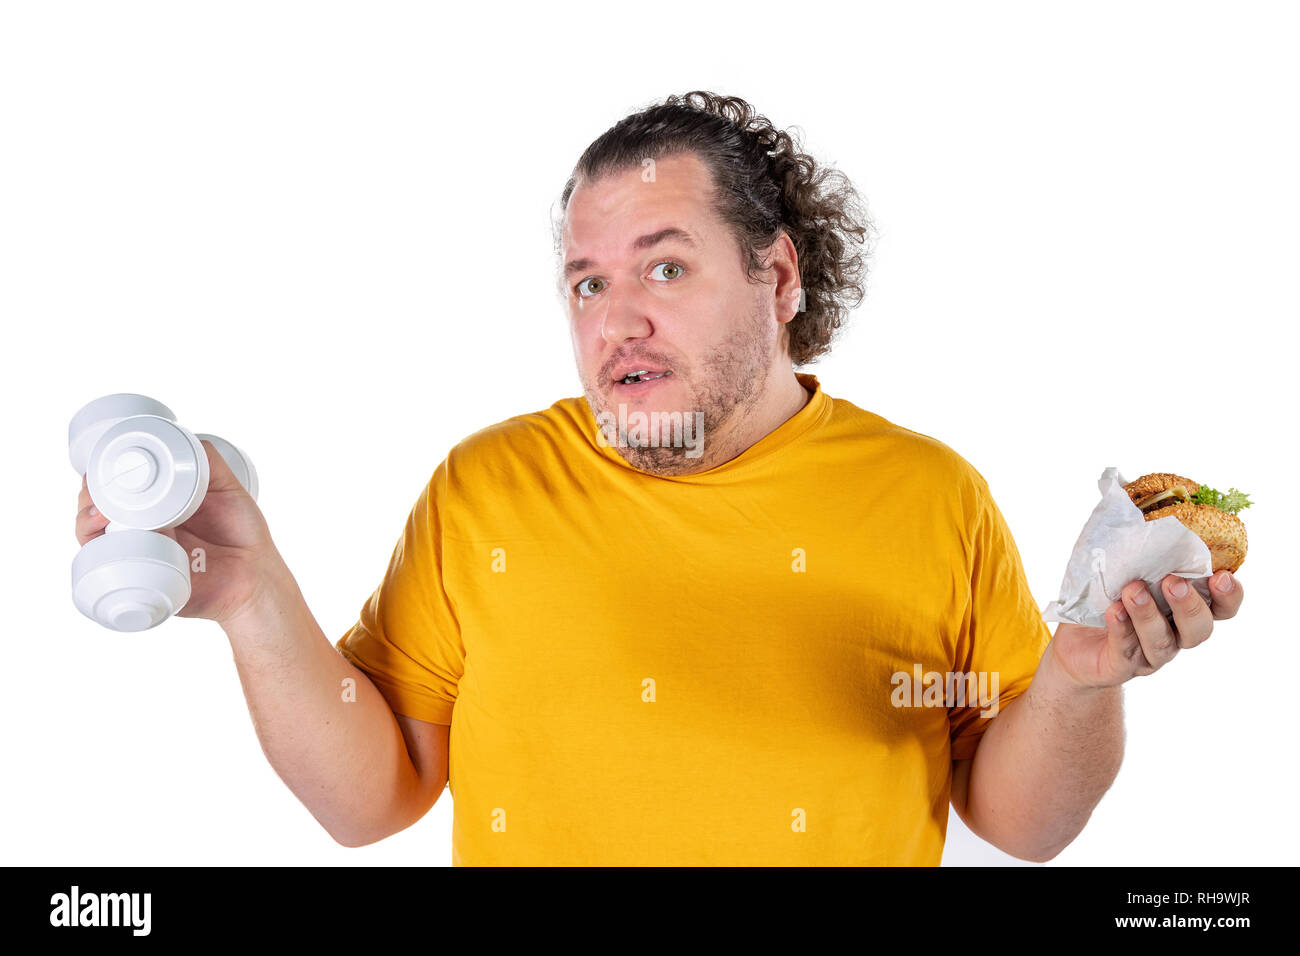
(1045, 763)
(345, 759)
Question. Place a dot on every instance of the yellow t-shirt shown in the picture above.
(746, 666)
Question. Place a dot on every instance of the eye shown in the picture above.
(670, 265)
(583, 284)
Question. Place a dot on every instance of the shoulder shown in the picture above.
(521, 447)
(915, 460)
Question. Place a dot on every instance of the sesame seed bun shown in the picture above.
(1161, 481)
(1222, 532)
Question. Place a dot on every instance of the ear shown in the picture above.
(782, 262)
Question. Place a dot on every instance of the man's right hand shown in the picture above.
(229, 527)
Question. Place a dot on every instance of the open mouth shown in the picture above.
(643, 375)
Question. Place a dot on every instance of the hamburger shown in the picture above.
(1211, 514)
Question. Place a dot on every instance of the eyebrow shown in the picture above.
(641, 242)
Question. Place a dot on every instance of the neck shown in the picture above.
(784, 397)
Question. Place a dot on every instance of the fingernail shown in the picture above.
(1121, 615)
(1225, 582)
(1179, 588)
(93, 512)
(1141, 597)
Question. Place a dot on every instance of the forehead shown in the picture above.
(604, 217)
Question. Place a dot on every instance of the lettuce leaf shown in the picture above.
(1232, 502)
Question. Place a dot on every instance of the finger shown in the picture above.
(1225, 595)
(1192, 620)
(90, 525)
(1124, 646)
(1153, 631)
(83, 499)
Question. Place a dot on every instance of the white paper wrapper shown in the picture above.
(1119, 545)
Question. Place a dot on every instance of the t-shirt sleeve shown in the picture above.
(1003, 634)
(407, 638)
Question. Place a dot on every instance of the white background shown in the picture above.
(321, 231)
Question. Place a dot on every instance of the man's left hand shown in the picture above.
(1145, 640)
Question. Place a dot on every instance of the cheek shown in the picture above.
(588, 348)
(582, 332)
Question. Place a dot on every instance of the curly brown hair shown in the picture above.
(762, 184)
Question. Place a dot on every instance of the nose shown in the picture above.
(624, 319)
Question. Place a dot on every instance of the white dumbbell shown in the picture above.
(144, 473)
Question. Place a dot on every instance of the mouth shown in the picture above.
(642, 375)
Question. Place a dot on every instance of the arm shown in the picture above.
(1050, 755)
(363, 772)
(1042, 765)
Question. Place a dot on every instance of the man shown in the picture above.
(709, 615)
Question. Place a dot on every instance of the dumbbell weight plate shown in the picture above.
(239, 463)
(130, 580)
(147, 472)
(95, 418)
